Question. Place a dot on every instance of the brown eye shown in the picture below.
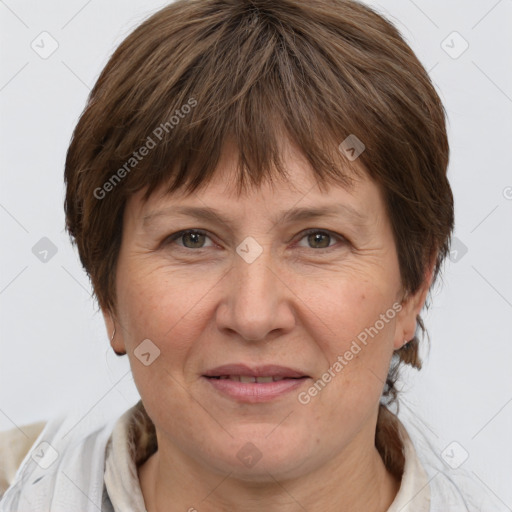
(191, 239)
(319, 239)
(195, 239)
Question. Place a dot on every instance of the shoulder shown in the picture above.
(454, 489)
(14, 446)
(60, 446)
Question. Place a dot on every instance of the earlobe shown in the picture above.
(108, 319)
(111, 329)
(412, 304)
(406, 321)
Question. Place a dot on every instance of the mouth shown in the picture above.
(254, 384)
(250, 378)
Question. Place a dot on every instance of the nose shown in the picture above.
(257, 302)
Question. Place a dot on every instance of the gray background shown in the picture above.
(54, 353)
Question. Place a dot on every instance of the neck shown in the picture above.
(355, 481)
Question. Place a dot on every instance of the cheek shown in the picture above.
(350, 310)
(166, 306)
(354, 324)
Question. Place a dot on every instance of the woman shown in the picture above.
(258, 193)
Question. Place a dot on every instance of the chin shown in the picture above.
(258, 457)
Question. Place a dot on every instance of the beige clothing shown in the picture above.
(14, 445)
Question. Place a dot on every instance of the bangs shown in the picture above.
(255, 94)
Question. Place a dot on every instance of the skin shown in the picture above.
(299, 305)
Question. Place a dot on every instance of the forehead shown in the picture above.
(279, 207)
(300, 186)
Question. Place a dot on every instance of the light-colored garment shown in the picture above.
(14, 445)
(61, 472)
(96, 469)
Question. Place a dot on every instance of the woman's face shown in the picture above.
(309, 304)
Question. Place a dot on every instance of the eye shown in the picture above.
(191, 238)
(320, 239)
(195, 239)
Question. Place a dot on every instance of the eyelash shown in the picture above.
(176, 236)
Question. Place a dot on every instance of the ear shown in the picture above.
(412, 304)
(114, 328)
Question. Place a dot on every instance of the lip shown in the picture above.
(255, 371)
(254, 392)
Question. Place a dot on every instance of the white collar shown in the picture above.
(414, 492)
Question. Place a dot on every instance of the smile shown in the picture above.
(250, 378)
(254, 384)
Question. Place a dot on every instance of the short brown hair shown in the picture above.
(252, 71)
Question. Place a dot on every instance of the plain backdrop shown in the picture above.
(55, 354)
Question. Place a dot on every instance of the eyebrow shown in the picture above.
(292, 215)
